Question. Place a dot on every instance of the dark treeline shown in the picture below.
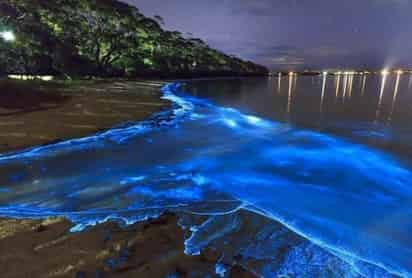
(103, 38)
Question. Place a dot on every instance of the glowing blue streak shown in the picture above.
(308, 181)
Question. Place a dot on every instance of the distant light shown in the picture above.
(384, 72)
(291, 73)
(349, 73)
(31, 77)
(8, 36)
(46, 78)
(339, 73)
(399, 72)
(325, 73)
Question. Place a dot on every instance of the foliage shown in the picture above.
(103, 37)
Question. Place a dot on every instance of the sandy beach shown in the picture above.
(155, 248)
(33, 114)
(37, 113)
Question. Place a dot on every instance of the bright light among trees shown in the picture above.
(8, 36)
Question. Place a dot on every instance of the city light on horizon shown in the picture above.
(385, 71)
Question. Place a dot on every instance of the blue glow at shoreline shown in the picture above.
(350, 199)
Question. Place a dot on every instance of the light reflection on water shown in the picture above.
(322, 97)
(212, 160)
(371, 109)
(395, 94)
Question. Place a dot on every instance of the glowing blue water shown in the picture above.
(354, 201)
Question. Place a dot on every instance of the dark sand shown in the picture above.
(33, 113)
(37, 113)
(35, 248)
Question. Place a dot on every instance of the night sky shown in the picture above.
(297, 34)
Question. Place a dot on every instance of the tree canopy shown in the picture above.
(103, 37)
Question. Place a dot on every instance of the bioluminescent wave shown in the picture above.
(204, 160)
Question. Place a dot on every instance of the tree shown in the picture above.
(159, 19)
(103, 37)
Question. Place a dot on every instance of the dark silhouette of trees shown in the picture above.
(159, 19)
(105, 38)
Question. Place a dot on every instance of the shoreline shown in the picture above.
(150, 222)
(47, 247)
(36, 113)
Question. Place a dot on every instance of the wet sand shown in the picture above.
(32, 114)
(35, 248)
(37, 113)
